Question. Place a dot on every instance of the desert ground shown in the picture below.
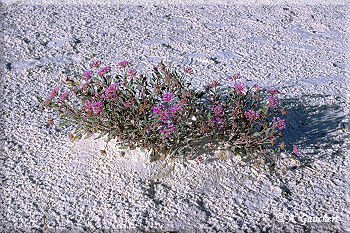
(51, 184)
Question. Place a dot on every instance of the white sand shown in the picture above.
(300, 50)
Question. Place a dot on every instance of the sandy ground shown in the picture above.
(50, 184)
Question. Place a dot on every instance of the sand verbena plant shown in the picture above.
(163, 115)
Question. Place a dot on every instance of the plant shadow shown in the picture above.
(312, 127)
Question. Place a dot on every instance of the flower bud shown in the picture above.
(47, 102)
(282, 145)
(50, 122)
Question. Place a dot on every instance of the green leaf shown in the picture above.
(101, 135)
(199, 94)
(78, 136)
(88, 136)
(76, 118)
(77, 129)
(64, 123)
(233, 148)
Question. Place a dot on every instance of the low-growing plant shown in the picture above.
(165, 116)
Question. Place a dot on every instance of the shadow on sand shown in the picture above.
(313, 127)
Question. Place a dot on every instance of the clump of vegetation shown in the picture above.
(164, 116)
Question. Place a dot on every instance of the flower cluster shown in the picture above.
(167, 97)
(64, 96)
(132, 73)
(166, 129)
(296, 150)
(278, 122)
(92, 107)
(158, 109)
(104, 71)
(218, 110)
(86, 75)
(54, 93)
(273, 102)
(175, 108)
(251, 114)
(166, 116)
(239, 87)
(123, 64)
(273, 91)
(111, 91)
(95, 64)
(217, 120)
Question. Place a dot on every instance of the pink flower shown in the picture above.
(132, 72)
(92, 107)
(239, 87)
(214, 84)
(86, 75)
(296, 150)
(127, 105)
(279, 123)
(64, 96)
(234, 77)
(83, 87)
(87, 107)
(217, 122)
(187, 69)
(167, 97)
(273, 91)
(158, 108)
(95, 64)
(273, 102)
(96, 106)
(257, 87)
(175, 108)
(123, 64)
(162, 112)
(54, 93)
(251, 114)
(111, 91)
(165, 115)
(167, 129)
(104, 70)
(218, 110)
